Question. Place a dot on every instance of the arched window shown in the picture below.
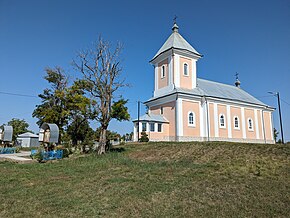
(250, 124)
(222, 121)
(236, 123)
(185, 69)
(163, 71)
(191, 118)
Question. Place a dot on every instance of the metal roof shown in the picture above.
(152, 118)
(7, 133)
(54, 132)
(176, 41)
(217, 90)
(27, 135)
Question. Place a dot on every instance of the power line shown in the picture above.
(17, 94)
(285, 102)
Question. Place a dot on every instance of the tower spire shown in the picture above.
(175, 26)
(237, 83)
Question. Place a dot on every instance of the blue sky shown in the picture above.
(249, 37)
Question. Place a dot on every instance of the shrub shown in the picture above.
(144, 137)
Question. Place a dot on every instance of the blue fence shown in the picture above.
(7, 150)
(48, 155)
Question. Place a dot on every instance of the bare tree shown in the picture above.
(101, 70)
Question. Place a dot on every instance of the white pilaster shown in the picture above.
(243, 122)
(229, 121)
(216, 120)
(179, 118)
(256, 126)
(170, 71)
(262, 125)
(194, 75)
(176, 70)
(271, 130)
(201, 114)
(156, 76)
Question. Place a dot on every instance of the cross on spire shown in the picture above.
(174, 19)
(237, 76)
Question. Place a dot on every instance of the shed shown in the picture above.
(28, 140)
(49, 133)
(6, 134)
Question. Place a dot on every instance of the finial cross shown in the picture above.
(237, 75)
(174, 19)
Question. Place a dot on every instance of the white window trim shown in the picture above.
(238, 128)
(163, 76)
(250, 129)
(194, 120)
(224, 126)
(187, 69)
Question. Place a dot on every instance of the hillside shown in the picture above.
(154, 180)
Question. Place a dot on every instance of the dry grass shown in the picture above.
(154, 180)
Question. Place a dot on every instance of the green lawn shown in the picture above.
(153, 180)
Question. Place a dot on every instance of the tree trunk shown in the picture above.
(102, 141)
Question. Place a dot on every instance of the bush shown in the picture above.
(144, 137)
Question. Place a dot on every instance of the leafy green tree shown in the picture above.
(66, 106)
(19, 127)
(100, 67)
(53, 100)
(144, 137)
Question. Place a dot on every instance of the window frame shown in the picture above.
(187, 69)
(193, 124)
(143, 127)
(238, 121)
(150, 125)
(224, 121)
(159, 125)
(163, 71)
(252, 124)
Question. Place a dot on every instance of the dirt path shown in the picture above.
(22, 157)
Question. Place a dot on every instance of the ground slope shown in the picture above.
(154, 180)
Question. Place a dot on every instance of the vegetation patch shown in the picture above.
(153, 180)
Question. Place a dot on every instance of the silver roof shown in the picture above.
(7, 133)
(176, 41)
(152, 118)
(54, 132)
(27, 135)
(217, 90)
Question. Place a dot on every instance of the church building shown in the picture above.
(187, 108)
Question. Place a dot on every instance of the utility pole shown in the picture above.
(138, 126)
(280, 116)
(280, 113)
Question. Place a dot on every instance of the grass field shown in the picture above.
(153, 180)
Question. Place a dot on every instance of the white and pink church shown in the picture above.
(187, 108)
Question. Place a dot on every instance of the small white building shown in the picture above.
(28, 140)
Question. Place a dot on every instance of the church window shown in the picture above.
(222, 121)
(161, 110)
(152, 127)
(159, 129)
(236, 123)
(185, 69)
(144, 129)
(163, 71)
(191, 119)
(250, 124)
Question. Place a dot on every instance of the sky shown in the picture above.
(251, 37)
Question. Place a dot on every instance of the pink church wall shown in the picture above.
(223, 132)
(212, 120)
(249, 113)
(267, 121)
(168, 113)
(188, 106)
(163, 82)
(236, 112)
(185, 81)
(159, 136)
